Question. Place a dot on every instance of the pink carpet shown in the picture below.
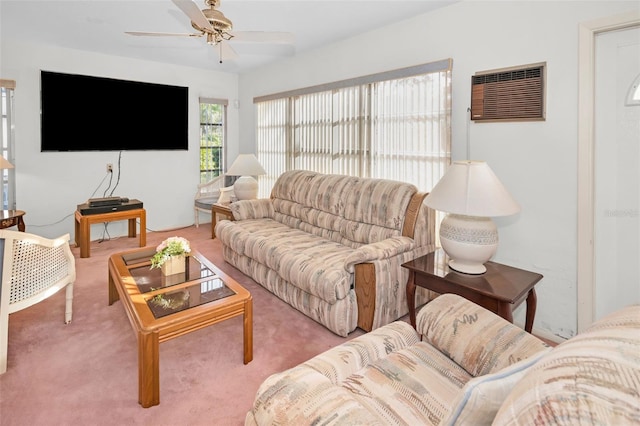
(85, 373)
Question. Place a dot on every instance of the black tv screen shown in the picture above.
(84, 113)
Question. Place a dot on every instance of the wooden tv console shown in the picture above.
(83, 226)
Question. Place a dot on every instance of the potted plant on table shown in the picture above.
(170, 255)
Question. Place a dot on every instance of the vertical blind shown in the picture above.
(394, 125)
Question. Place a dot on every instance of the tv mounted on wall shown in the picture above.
(85, 113)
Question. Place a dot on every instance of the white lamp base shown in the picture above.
(469, 242)
(246, 188)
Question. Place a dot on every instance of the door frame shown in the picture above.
(586, 135)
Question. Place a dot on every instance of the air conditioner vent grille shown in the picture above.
(515, 95)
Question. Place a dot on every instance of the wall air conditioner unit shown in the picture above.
(510, 94)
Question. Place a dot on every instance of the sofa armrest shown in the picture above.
(381, 250)
(252, 209)
(478, 340)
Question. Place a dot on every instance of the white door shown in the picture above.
(616, 171)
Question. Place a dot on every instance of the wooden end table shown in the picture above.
(501, 289)
(217, 208)
(9, 218)
(83, 226)
(163, 307)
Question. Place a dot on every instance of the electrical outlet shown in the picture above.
(109, 168)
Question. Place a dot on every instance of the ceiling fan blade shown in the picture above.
(142, 33)
(263, 37)
(225, 52)
(194, 13)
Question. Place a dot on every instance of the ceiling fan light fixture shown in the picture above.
(217, 20)
(217, 28)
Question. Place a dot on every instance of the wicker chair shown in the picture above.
(209, 192)
(32, 269)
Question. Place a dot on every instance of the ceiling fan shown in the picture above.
(218, 29)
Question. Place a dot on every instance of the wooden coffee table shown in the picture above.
(161, 308)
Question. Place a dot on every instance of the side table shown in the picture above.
(9, 218)
(83, 226)
(501, 289)
(217, 208)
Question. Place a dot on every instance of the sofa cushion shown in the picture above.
(384, 377)
(591, 379)
(457, 338)
(361, 210)
(310, 189)
(378, 202)
(413, 386)
(313, 264)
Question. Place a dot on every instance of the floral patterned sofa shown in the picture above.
(332, 246)
(470, 367)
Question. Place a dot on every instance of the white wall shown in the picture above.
(536, 161)
(50, 185)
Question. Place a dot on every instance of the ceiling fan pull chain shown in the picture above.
(220, 44)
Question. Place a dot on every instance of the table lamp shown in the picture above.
(246, 166)
(471, 194)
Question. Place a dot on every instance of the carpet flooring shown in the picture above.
(85, 373)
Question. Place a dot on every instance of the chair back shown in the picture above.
(33, 268)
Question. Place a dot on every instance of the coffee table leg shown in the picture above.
(113, 292)
(411, 297)
(248, 331)
(148, 369)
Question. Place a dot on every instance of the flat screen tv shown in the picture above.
(84, 113)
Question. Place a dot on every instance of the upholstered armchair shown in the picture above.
(32, 269)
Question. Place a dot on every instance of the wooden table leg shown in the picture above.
(143, 228)
(148, 369)
(505, 311)
(85, 237)
(532, 303)
(411, 297)
(213, 224)
(76, 235)
(132, 228)
(21, 226)
(113, 293)
(248, 331)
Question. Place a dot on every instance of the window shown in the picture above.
(633, 95)
(6, 139)
(213, 135)
(394, 125)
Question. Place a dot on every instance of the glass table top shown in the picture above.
(169, 294)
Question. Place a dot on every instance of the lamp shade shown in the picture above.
(471, 188)
(246, 165)
(4, 164)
